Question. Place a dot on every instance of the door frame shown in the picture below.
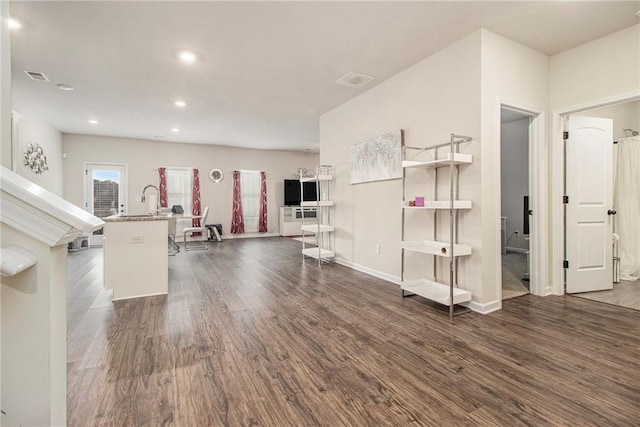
(557, 237)
(538, 184)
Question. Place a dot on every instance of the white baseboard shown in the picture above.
(474, 306)
(487, 308)
(370, 271)
(229, 236)
(248, 235)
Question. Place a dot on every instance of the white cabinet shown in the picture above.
(446, 246)
(322, 227)
(135, 256)
(291, 218)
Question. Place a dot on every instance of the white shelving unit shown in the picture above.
(291, 219)
(446, 294)
(322, 227)
(432, 247)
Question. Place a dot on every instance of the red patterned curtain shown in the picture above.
(195, 206)
(237, 216)
(262, 221)
(164, 199)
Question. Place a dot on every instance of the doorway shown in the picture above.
(621, 286)
(515, 184)
(105, 193)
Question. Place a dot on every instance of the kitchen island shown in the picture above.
(135, 255)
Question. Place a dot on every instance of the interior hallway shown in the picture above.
(250, 335)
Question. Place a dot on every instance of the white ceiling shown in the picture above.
(266, 70)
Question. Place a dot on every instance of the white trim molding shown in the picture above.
(38, 213)
(248, 235)
(486, 308)
(474, 306)
(15, 139)
(557, 237)
(538, 196)
(370, 271)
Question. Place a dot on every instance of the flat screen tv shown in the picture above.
(292, 196)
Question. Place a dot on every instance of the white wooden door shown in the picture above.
(589, 215)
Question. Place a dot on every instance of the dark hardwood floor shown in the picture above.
(251, 335)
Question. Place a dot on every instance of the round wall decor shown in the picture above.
(35, 159)
(216, 175)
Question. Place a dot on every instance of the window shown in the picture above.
(179, 192)
(250, 185)
(179, 187)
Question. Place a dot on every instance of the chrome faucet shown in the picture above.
(142, 197)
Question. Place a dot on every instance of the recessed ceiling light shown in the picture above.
(14, 24)
(180, 104)
(175, 130)
(93, 122)
(63, 86)
(187, 56)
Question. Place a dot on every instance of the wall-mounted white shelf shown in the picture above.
(318, 228)
(435, 291)
(440, 204)
(450, 159)
(432, 247)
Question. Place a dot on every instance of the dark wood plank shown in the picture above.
(252, 335)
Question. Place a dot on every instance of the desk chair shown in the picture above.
(202, 230)
(171, 228)
(172, 237)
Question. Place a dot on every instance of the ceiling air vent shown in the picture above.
(354, 80)
(37, 76)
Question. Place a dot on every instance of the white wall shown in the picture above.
(5, 116)
(625, 116)
(592, 73)
(5, 87)
(429, 100)
(459, 89)
(34, 316)
(514, 154)
(596, 70)
(34, 131)
(143, 157)
(515, 75)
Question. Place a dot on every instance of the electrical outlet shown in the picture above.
(516, 232)
(378, 249)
